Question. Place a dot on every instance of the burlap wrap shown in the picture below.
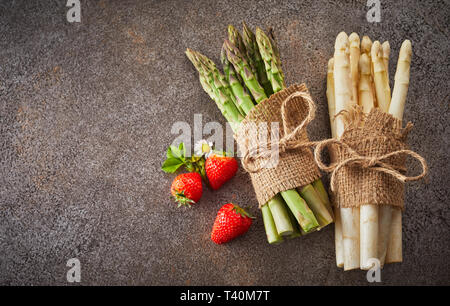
(368, 161)
(296, 166)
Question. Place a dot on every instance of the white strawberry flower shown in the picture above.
(203, 148)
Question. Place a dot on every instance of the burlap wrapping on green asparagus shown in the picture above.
(292, 109)
(368, 161)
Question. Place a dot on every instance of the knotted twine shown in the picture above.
(368, 161)
(278, 164)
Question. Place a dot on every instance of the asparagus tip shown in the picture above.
(341, 41)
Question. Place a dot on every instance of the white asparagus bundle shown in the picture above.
(344, 101)
(370, 231)
(394, 251)
(332, 113)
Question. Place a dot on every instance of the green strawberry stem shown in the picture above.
(280, 216)
(182, 199)
(320, 189)
(269, 225)
(302, 213)
(309, 194)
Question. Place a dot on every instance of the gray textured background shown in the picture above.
(85, 117)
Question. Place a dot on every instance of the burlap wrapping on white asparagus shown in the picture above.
(368, 161)
(293, 109)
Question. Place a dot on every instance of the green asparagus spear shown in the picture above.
(273, 67)
(315, 203)
(297, 229)
(280, 216)
(242, 67)
(207, 88)
(223, 101)
(276, 51)
(269, 226)
(320, 189)
(305, 217)
(220, 80)
(243, 99)
(236, 39)
(253, 53)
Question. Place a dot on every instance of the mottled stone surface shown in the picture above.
(86, 112)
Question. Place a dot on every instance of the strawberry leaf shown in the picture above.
(177, 152)
(172, 164)
(169, 153)
(182, 149)
(176, 157)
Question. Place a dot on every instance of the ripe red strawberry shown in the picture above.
(231, 222)
(187, 188)
(220, 169)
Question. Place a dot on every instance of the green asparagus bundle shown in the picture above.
(252, 72)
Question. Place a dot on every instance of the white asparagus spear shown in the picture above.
(368, 213)
(366, 47)
(330, 97)
(366, 94)
(385, 211)
(368, 234)
(354, 61)
(350, 237)
(332, 112)
(343, 95)
(401, 81)
(342, 82)
(386, 53)
(380, 78)
(384, 231)
(338, 239)
(394, 251)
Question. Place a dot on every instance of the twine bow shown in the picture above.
(288, 141)
(375, 163)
